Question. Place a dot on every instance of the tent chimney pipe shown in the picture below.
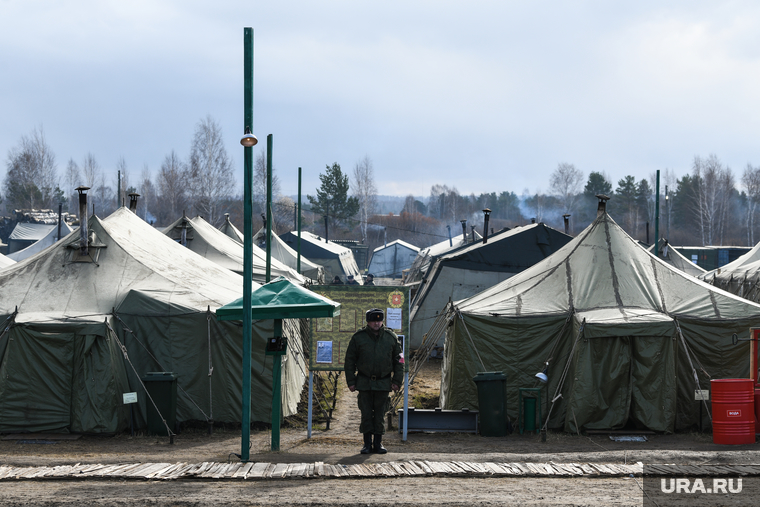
(464, 231)
(183, 237)
(487, 215)
(133, 202)
(647, 233)
(451, 243)
(566, 217)
(472, 228)
(83, 219)
(533, 220)
(60, 212)
(602, 207)
(385, 237)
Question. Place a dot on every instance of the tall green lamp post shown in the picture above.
(248, 141)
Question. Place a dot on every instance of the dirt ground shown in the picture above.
(340, 445)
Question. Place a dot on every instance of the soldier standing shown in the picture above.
(373, 367)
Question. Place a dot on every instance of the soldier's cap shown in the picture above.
(375, 315)
(370, 275)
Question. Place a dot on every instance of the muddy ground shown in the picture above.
(340, 445)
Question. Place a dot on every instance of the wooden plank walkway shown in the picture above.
(284, 471)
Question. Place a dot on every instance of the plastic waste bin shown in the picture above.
(162, 388)
(492, 393)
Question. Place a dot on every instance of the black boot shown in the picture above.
(378, 446)
(367, 444)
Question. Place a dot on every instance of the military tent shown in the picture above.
(288, 256)
(465, 271)
(740, 276)
(82, 329)
(673, 257)
(42, 243)
(427, 256)
(230, 230)
(391, 260)
(337, 260)
(211, 243)
(624, 335)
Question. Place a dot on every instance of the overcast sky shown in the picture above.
(482, 96)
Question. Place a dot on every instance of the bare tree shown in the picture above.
(73, 180)
(31, 179)
(210, 170)
(715, 183)
(147, 193)
(567, 182)
(90, 170)
(259, 184)
(121, 191)
(172, 186)
(751, 184)
(365, 191)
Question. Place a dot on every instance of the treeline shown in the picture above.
(708, 205)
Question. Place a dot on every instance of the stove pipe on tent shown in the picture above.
(82, 219)
(133, 202)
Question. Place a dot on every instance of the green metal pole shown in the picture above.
(298, 257)
(276, 390)
(269, 208)
(247, 244)
(657, 216)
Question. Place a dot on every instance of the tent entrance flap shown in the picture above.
(620, 380)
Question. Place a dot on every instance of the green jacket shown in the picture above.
(377, 357)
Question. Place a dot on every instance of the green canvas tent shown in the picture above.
(676, 259)
(288, 256)
(337, 260)
(621, 326)
(62, 366)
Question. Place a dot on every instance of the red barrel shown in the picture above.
(757, 408)
(733, 406)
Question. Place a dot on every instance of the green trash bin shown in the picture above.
(162, 388)
(492, 393)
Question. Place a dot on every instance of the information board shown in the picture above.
(330, 336)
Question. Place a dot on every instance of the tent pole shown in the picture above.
(657, 216)
(298, 257)
(557, 394)
(276, 389)
(269, 209)
(311, 398)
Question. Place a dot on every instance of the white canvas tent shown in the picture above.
(740, 277)
(676, 259)
(391, 260)
(336, 259)
(288, 256)
(211, 243)
(69, 318)
(42, 243)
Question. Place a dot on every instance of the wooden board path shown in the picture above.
(413, 468)
(284, 471)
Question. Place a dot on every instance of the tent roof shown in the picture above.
(676, 259)
(746, 267)
(214, 245)
(30, 232)
(230, 230)
(330, 249)
(50, 238)
(604, 269)
(281, 299)
(399, 243)
(288, 256)
(131, 255)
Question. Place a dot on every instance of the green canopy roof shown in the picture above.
(281, 299)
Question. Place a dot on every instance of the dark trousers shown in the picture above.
(373, 406)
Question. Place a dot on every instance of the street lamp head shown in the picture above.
(248, 140)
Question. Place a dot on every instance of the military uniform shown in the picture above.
(373, 365)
